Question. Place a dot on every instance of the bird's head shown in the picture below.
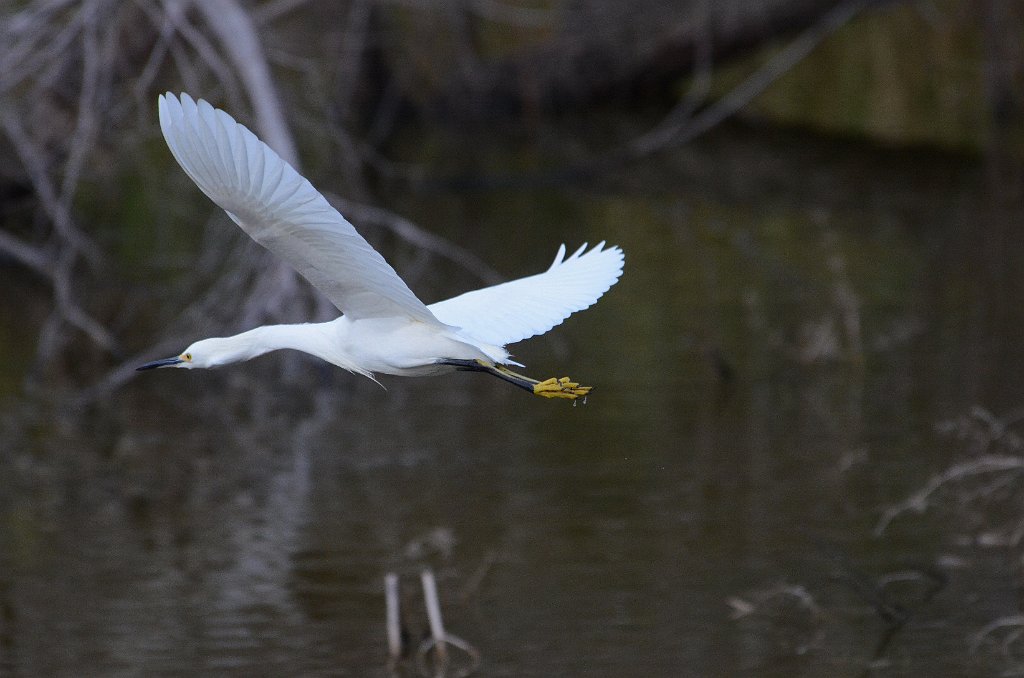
(205, 353)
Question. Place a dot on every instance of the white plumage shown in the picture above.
(520, 309)
(385, 327)
(282, 211)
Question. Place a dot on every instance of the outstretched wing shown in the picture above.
(282, 211)
(513, 311)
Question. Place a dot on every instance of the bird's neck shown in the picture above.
(310, 338)
(327, 341)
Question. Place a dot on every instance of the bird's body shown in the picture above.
(385, 328)
(369, 346)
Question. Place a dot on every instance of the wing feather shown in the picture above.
(519, 309)
(282, 211)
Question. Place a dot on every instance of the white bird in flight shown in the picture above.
(384, 328)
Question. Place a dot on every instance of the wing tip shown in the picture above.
(612, 253)
(559, 257)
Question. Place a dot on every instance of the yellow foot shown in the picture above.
(560, 388)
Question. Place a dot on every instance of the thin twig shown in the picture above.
(476, 580)
(84, 135)
(157, 55)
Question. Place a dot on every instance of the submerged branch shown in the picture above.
(918, 501)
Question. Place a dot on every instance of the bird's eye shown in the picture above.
(188, 356)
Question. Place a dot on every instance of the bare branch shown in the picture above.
(416, 235)
(31, 42)
(176, 10)
(84, 134)
(33, 158)
(165, 31)
(356, 35)
(238, 37)
(69, 310)
(26, 254)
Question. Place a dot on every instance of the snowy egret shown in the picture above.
(384, 328)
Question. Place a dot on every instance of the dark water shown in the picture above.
(804, 335)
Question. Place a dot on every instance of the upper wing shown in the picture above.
(282, 211)
(512, 311)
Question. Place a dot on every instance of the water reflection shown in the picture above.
(769, 371)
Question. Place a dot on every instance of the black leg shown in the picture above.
(463, 365)
(522, 382)
(549, 388)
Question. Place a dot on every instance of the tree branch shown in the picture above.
(238, 37)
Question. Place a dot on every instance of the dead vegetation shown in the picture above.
(984, 477)
(982, 490)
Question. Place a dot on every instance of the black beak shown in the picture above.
(163, 362)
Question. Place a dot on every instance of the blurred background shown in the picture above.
(803, 451)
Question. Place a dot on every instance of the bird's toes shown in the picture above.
(560, 388)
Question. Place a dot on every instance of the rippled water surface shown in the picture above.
(803, 336)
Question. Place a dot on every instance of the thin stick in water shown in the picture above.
(434, 615)
(394, 626)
